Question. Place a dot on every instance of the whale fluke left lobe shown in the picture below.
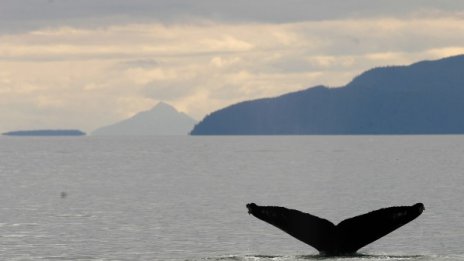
(312, 230)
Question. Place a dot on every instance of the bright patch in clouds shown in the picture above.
(84, 78)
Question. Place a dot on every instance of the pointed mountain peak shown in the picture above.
(162, 106)
(162, 119)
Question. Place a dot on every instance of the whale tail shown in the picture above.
(342, 239)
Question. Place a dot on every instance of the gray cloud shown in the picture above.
(20, 15)
(145, 63)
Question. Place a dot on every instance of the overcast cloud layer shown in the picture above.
(83, 64)
(21, 14)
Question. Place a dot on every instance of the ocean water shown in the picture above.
(183, 198)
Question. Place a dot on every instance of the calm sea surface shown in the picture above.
(183, 198)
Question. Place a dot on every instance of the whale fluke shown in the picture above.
(343, 239)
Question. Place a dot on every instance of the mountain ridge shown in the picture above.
(421, 98)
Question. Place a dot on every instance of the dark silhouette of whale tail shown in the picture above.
(343, 239)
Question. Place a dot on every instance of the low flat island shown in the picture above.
(45, 133)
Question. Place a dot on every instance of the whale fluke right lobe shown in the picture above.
(343, 239)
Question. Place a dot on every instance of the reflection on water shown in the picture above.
(319, 257)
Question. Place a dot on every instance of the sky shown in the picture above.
(87, 63)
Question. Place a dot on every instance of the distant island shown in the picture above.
(45, 133)
(422, 98)
(162, 119)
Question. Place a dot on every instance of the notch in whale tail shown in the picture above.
(343, 239)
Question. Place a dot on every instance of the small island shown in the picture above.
(45, 133)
